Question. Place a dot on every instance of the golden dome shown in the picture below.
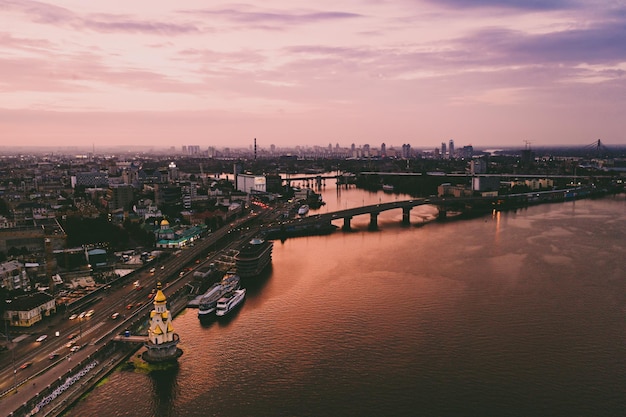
(159, 297)
(164, 222)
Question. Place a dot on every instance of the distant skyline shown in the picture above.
(159, 73)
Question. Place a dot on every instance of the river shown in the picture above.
(519, 313)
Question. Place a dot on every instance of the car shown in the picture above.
(53, 355)
(89, 313)
(139, 288)
(26, 365)
(42, 338)
(75, 348)
(82, 315)
(114, 316)
(71, 336)
(129, 306)
(70, 344)
(73, 316)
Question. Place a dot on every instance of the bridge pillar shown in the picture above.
(346, 223)
(443, 213)
(373, 221)
(406, 215)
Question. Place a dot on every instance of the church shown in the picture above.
(162, 341)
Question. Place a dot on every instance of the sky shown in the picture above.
(421, 72)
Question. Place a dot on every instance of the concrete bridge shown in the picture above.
(443, 205)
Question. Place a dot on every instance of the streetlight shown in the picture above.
(6, 330)
(14, 369)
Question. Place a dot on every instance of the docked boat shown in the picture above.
(254, 257)
(208, 302)
(229, 302)
(388, 188)
(303, 210)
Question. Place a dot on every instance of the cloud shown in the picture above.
(598, 44)
(536, 5)
(38, 12)
(273, 18)
(112, 23)
(44, 13)
(8, 41)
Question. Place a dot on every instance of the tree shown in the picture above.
(4, 208)
(82, 231)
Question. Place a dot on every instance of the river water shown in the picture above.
(519, 313)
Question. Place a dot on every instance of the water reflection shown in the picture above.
(436, 320)
(164, 390)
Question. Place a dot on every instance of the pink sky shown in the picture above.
(187, 72)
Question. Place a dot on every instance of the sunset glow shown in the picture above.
(410, 71)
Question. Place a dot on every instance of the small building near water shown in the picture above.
(30, 309)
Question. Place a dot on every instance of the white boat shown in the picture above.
(228, 303)
(387, 188)
(303, 210)
(208, 302)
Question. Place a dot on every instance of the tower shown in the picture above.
(162, 341)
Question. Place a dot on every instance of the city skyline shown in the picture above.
(486, 73)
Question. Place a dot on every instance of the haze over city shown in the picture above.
(486, 73)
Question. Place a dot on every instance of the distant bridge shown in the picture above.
(319, 180)
(346, 179)
(443, 204)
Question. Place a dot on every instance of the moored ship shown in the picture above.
(208, 302)
(229, 302)
(303, 210)
(254, 257)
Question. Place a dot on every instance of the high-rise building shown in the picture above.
(451, 149)
(172, 172)
(120, 197)
(406, 151)
(467, 151)
(90, 179)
